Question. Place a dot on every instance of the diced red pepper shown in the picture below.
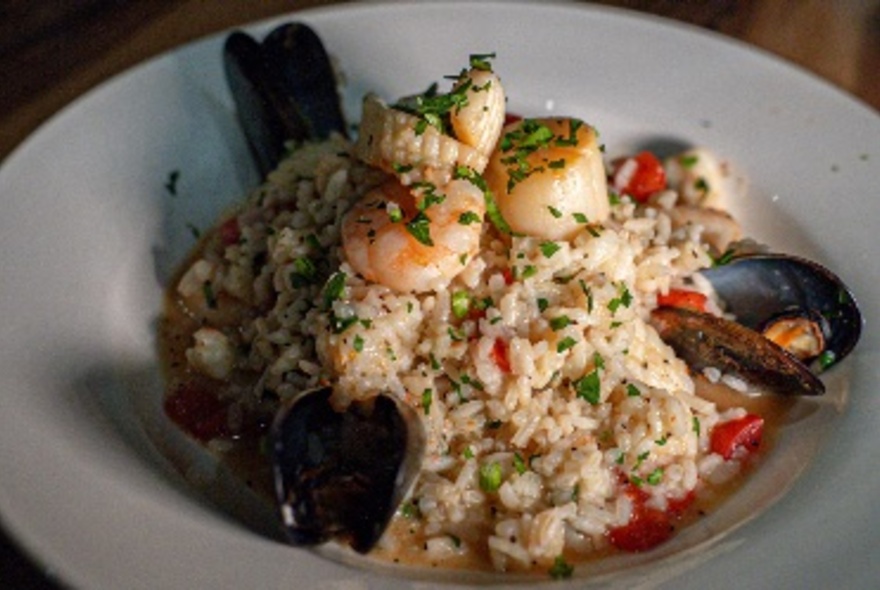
(648, 177)
(678, 506)
(743, 433)
(508, 276)
(499, 355)
(511, 118)
(230, 232)
(647, 528)
(198, 411)
(683, 299)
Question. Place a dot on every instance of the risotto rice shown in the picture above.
(555, 416)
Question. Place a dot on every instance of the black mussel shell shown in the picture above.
(342, 475)
(284, 89)
(760, 288)
(703, 340)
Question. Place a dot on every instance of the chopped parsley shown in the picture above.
(419, 228)
(195, 231)
(341, 324)
(304, 273)
(554, 211)
(358, 343)
(334, 288)
(724, 258)
(580, 217)
(565, 344)
(469, 217)
(543, 304)
(688, 161)
(492, 210)
(519, 464)
(530, 270)
(548, 248)
(655, 477)
(589, 386)
(524, 140)
(171, 183)
(561, 569)
(410, 510)
(696, 425)
(210, 296)
(401, 168)
(632, 390)
(480, 61)
(559, 322)
(427, 397)
(624, 299)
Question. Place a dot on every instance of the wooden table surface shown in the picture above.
(52, 51)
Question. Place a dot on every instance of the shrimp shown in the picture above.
(414, 239)
(408, 139)
(548, 177)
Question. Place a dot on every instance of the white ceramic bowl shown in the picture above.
(96, 483)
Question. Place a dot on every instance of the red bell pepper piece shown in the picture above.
(743, 433)
(683, 299)
(648, 177)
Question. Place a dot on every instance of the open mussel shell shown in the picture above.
(760, 288)
(283, 88)
(703, 340)
(342, 475)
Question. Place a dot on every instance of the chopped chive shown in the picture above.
(490, 477)
(461, 303)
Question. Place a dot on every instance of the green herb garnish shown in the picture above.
(561, 569)
(490, 477)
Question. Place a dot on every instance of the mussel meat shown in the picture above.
(789, 311)
(283, 88)
(342, 475)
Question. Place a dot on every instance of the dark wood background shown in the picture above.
(52, 51)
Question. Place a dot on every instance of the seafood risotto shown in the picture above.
(496, 275)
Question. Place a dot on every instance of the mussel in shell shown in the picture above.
(284, 89)
(342, 474)
(789, 312)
